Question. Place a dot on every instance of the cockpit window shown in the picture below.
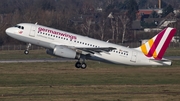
(20, 27)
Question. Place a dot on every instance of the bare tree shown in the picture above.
(87, 7)
(117, 28)
(124, 20)
(85, 28)
(88, 24)
(16, 17)
(113, 25)
(102, 26)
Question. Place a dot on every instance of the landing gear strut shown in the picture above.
(81, 65)
(27, 49)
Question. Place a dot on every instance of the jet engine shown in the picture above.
(63, 51)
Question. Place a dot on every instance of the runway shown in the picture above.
(173, 57)
(60, 60)
(37, 60)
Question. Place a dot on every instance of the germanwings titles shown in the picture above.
(68, 45)
(45, 30)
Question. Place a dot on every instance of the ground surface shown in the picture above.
(99, 82)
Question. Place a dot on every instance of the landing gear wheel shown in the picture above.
(83, 65)
(27, 49)
(26, 52)
(78, 65)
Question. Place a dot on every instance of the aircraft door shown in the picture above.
(33, 30)
(134, 57)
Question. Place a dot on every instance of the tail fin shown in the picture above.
(157, 46)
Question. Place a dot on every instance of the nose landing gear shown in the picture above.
(27, 49)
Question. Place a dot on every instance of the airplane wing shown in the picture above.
(86, 50)
(95, 50)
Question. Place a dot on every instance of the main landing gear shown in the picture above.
(27, 49)
(81, 65)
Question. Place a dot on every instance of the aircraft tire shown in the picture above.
(26, 52)
(83, 66)
(78, 65)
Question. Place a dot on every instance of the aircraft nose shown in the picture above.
(9, 31)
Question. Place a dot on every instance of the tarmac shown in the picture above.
(60, 60)
(37, 60)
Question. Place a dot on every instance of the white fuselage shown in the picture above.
(49, 38)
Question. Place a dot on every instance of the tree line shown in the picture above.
(101, 19)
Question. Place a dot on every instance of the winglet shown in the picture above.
(157, 46)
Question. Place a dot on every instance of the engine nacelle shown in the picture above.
(63, 51)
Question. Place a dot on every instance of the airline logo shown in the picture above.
(40, 29)
(157, 46)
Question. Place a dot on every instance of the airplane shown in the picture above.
(69, 45)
